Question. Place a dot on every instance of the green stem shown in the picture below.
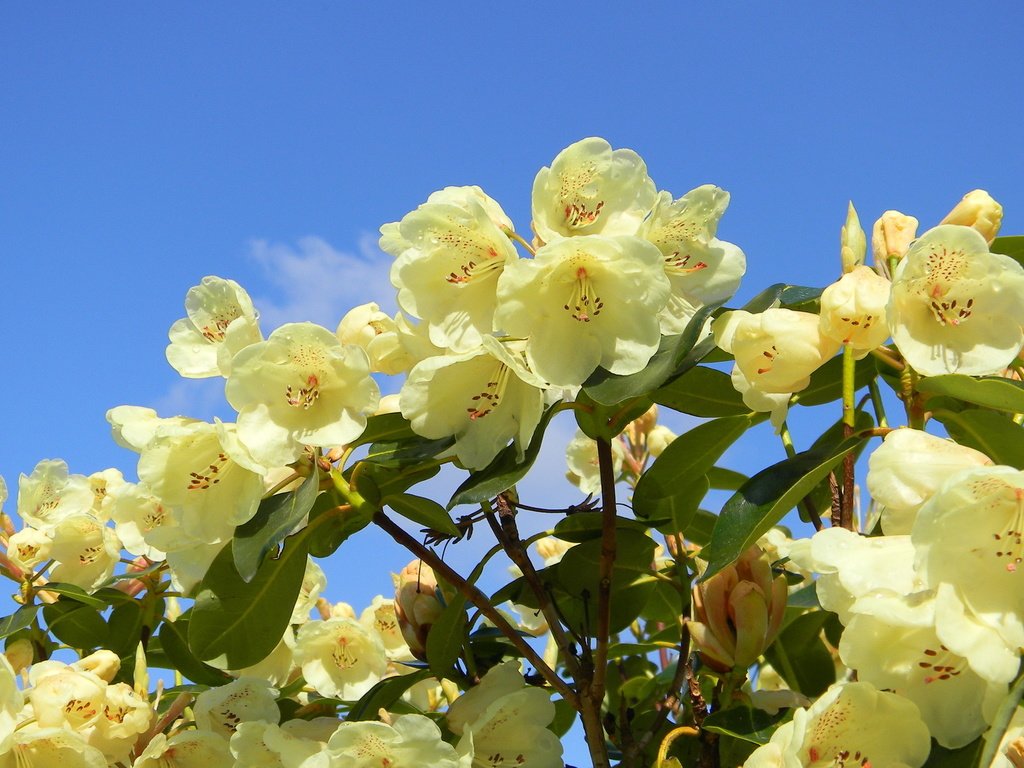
(849, 423)
(877, 404)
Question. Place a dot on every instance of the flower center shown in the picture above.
(945, 279)
(471, 269)
(578, 208)
(583, 304)
(490, 396)
(1009, 540)
(936, 666)
(343, 656)
(770, 355)
(677, 263)
(303, 397)
(855, 324)
(844, 758)
(206, 478)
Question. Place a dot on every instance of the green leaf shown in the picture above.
(124, 628)
(827, 382)
(20, 619)
(76, 593)
(74, 624)
(598, 420)
(964, 757)
(671, 359)
(766, 498)
(990, 432)
(1008, 707)
(340, 525)
(725, 479)
(753, 725)
(173, 640)
(403, 453)
(578, 573)
(384, 694)
(1012, 246)
(236, 623)
(801, 298)
(991, 392)
(703, 392)
(276, 517)
(504, 471)
(583, 526)
(383, 427)
(799, 655)
(426, 512)
(674, 485)
(446, 637)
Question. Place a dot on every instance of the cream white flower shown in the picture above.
(908, 468)
(892, 235)
(979, 211)
(970, 534)
(450, 252)
(891, 642)
(851, 724)
(776, 404)
(381, 618)
(582, 302)
(956, 308)
(125, 716)
(65, 697)
(411, 741)
(143, 523)
(50, 494)
(584, 468)
(277, 667)
(86, 551)
(103, 484)
(379, 336)
(220, 710)
(701, 269)
(259, 744)
(36, 747)
(484, 397)
(776, 350)
(300, 387)
(314, 581)
(220, 321)
(28, 548)
(340, 657)
(591, 189)
(11, 702)
(185, 749)
(853, 310)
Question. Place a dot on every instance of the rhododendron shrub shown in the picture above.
(858, 603)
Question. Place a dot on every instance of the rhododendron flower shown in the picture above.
(143, 523)
(40, 747)
(851, 725)
(86, 551)
(28, 548)
(450, 252)
(314, 581)
(220, 321)
(979, 211)
(219, 710)
(377, 334)
(340, 657)
(11, 702)
(584, 467)
(50, 494)
(65, 697)
(701, 269)
(591, 189)
(892, 643)
(259, 744)
(380, 616)
(891, 236)
(853, 310)
(582, 302)
(299, 387)
(970, 534)
(908, 468)
(185, 749)
(484, 397)
(411, 741)
(776, 350)
(956, 308)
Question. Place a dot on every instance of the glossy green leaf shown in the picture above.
(74, 624)
(426, 512)
(276, 517)
(583, 526)
(766, 499)
(702, 391)
(799, 655)
(990, 432)
(674, 485)
(446, 637)
(173, 640)
(76, 593)
(20, 619)
(672, 358)
(505, 471)
(1012, 246)
(827, 382)
(1003, 716)
(375, 481)
(969, 756)
(384, 695)
(236, 623)
(383, 427)
(124, 627)
(403, 453)
(597, 420)
(753, 725)
(341, 523)
(725, 479)
(995, 392)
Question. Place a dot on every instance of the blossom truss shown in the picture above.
(850, 725)
(591, 189)
(484, 398)
(701, 269)
(411, 741)
(50, 494)
(956, 307)
(340, 657)
(853, 310)
(450, 252)
(220, 320)
(301, 387)
(585, 301)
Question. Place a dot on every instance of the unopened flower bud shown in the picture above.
(20, 654)
(853, 243)
(102, 663)
(738, 612)
(892, 235)
(642, 425)
(658, 439)
(977, 209)
(416, 605)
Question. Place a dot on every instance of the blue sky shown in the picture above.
(145, 146)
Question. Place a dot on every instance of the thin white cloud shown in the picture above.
(313, 281)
